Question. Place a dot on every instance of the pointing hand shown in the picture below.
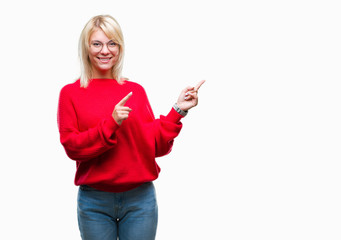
(121, 112)
(189, 97)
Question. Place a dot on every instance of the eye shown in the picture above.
(111, 44)
(96, 44)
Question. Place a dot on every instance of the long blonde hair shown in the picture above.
(112, 29)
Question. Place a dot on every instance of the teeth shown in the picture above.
(104, 59)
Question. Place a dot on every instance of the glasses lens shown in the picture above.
(96, 46)
(111, 45)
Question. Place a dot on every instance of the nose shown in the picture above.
(105, 49)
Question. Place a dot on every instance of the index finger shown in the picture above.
(125, 99)
(199, 85)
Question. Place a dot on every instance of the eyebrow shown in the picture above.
(102, 42)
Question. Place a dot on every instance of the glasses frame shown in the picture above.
(99, 49)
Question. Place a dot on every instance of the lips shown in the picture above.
(104, 59)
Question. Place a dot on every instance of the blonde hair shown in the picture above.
(112, 29)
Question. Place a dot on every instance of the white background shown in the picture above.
(259, 158)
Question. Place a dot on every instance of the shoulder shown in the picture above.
(131, 84)
(135, 87)
(71, 87)
(138, 91)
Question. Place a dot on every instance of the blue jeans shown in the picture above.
(130, 215)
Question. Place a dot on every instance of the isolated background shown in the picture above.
(259, 158)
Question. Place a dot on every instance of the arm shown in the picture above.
(88, 144)
(166, 128)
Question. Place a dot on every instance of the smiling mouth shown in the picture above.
(104, 59)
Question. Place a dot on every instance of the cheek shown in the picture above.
(91, 57)
(116, 52)
(116, 55)
(93, 60)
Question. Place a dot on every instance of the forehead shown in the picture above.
(99, 35)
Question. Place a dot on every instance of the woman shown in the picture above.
(107, 126)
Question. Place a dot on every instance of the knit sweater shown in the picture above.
(112, 157)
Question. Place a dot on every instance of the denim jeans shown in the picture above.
(130, 215)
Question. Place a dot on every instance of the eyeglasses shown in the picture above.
(97, 46)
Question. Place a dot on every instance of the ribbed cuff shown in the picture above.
(109, 128)
(174, 116)
(112, 124)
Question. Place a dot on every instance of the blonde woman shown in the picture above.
(107, 126)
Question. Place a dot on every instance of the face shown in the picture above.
(103, 54)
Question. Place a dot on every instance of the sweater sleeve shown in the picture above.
(85, 145)
(165, 130)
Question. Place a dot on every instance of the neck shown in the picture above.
(101, 74)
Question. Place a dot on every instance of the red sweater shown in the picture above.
(110, 157)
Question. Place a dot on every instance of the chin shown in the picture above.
(105, 68)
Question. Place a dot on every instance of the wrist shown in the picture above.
(179, 110)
